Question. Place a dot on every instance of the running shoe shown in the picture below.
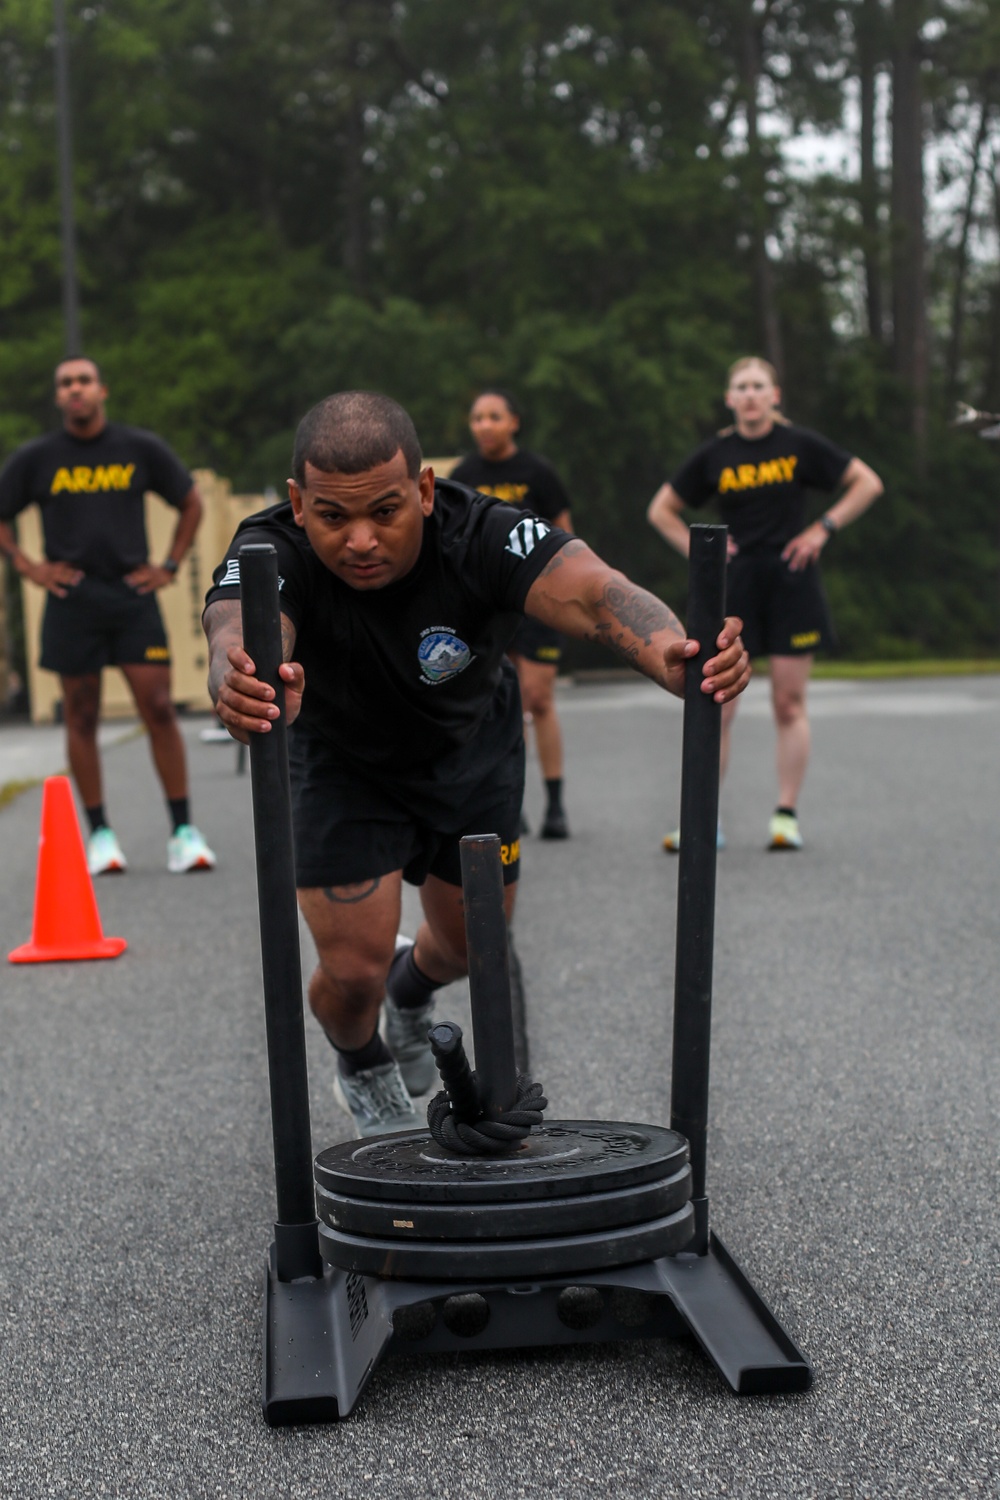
(187, 850)
(783, 832)
(672, 842)
(377, 1100)
(405, 1029)
(104, 854)
(555, 825)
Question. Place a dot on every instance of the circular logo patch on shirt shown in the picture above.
(442, 655)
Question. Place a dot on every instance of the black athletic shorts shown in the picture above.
(349, 828)
(102, 623)
(783, 613)
(537, 642)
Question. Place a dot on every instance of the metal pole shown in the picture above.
(489, 975)
(71, 299)
(296, 1241)
(696, 873)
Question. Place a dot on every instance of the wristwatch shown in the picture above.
(170, 566)
(829, 525)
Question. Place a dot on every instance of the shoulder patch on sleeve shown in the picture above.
(526, 535)
(231, 577)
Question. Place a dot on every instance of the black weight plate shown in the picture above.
(478, 1260)
(505, 1221)
(561, 1159)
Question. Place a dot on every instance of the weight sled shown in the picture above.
(571, 1255)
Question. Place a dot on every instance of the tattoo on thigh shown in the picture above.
(349, 895)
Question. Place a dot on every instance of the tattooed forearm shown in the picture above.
(641, 613)
(349, 895)
(627, 650)
(287, 638)
(224, 627)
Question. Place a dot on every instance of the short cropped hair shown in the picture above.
(352, 432)
(72, 359)
(505, 396)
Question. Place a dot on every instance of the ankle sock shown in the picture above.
(789, 812)
(554, 789)
(179, 811)
(95, 817)
(408, 985)
(359, 1059)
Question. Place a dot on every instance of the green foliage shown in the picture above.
(277, 201)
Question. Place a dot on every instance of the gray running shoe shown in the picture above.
(406, 1037)
(377, 1100)
(405, 1029)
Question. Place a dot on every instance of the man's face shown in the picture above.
(366, 528)
(80, 396)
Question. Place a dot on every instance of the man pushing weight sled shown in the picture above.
(399, 595)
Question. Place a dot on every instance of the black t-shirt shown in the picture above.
(413, 675)
(524, 480)
(90, 491)
(760, 483)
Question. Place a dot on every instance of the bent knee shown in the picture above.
(359, 981)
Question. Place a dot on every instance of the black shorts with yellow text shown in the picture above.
(102, 623)
(537, 642)
(350, 828)
(783, 613)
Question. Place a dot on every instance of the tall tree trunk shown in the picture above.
(869, 35)
(355, 241)
(909, 279)
(990, 397)
(756, 183)
(962, 256)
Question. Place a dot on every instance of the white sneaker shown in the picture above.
(104, 854)
(377, 1100)
(187, 850)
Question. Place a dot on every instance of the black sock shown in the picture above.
(788, 811)
(180, 812)
(359, 1059)
(408, 985)
(95, 817)
(554, 787)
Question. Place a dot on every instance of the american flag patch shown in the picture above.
(231, 577)
(526, 536)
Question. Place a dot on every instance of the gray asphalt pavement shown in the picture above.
(853, 1163)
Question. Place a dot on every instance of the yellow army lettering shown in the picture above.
(511, 492)
(753, 476)
(84, 480)
(510, 853)
(809, 638)
(157, 653)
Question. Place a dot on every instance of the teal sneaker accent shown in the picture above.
(104, 854)
(187, 850)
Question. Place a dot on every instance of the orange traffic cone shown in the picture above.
(67, 923)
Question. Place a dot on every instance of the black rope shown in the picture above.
(483, 1137)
